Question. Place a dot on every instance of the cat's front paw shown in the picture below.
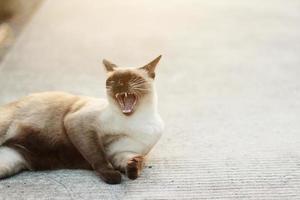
(134, 167)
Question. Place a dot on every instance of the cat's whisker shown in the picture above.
(136, 85)
(140, 90)
(141, 87)
(135, 79)
(137, 82)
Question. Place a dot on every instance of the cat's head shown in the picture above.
(127, 88)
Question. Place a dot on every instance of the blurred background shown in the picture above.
(228, 87)
(13, 16)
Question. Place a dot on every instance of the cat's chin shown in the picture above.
(126, 102)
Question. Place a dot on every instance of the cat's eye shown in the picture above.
(110, 82)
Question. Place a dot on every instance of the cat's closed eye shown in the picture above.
(110, 82)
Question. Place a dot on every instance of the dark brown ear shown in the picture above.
(150, 67)
(109, 66)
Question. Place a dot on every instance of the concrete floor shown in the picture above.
(228, 83)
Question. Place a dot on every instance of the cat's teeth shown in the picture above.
(125, 94)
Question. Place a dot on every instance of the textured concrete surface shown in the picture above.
(228, 84)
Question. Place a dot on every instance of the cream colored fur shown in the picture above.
(139, 131)
(11, 162)
(58, 116)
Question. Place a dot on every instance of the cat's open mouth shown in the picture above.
(126, 102)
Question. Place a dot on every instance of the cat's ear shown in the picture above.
(110, 67)
(150, 67)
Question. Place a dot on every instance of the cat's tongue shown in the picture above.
(127, 102)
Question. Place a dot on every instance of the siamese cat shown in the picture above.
(56, 130)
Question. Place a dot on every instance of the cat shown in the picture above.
(57, 130)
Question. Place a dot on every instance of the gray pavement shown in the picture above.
(228, 84)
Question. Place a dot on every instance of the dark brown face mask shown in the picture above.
(128, 87)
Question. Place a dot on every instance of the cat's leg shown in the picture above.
(91, 150)
(134, 167)
(6, 118)
(2, 134)
(4, 125)
(86, 142)
(126, 155)
(11, 162)
(128, 162)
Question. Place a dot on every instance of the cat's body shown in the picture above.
(54, 130)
